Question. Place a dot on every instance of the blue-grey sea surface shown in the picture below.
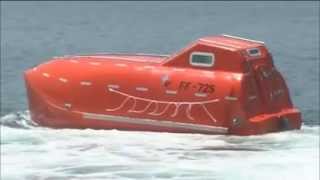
(33, 32)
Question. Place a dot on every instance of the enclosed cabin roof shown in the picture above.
(227, 53)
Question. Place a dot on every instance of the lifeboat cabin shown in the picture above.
(216, 85)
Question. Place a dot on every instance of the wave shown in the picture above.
(20, 119)
(43, 153)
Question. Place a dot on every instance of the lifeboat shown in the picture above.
(216, 85)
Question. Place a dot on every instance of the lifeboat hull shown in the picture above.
(50, 115)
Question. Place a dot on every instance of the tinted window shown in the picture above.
(202, 59)
(254, 52)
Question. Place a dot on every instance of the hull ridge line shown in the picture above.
(169, 124)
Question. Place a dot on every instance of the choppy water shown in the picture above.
(32, 32)
(40, 153)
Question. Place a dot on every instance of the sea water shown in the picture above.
(31, 152)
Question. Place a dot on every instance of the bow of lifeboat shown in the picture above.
(217, 85)
(65, 90)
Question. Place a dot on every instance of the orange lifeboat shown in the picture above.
(216, 85)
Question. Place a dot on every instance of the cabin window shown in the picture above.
(254, 52)
(202, 59)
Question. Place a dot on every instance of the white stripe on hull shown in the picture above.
(168, 124)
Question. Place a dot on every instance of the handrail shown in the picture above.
(236, 37)
(123, 54)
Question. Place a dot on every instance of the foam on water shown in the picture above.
(30, 152)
